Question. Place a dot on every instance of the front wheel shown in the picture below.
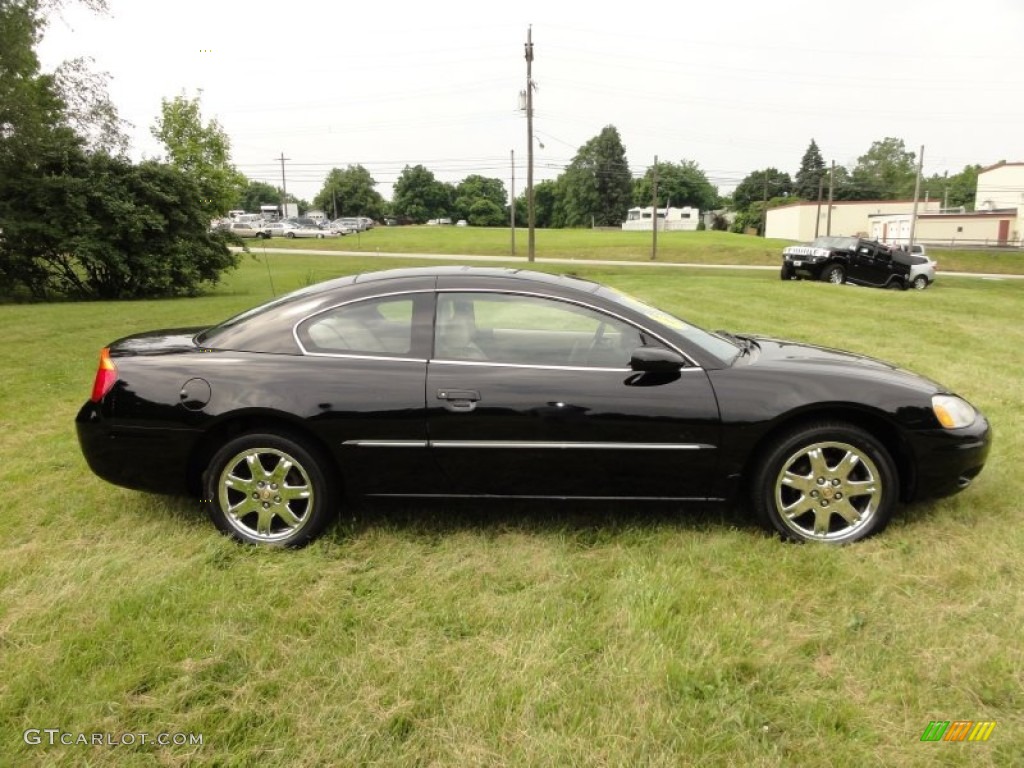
(825, 482)
(920, 283)
(834, 275)
(290, 235)
(269, 489)
(786, 273)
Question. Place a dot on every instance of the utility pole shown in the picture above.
(284, 188)
(917, 194)
(764, 207)
(654, 211)
(530, 214)
(831, 187)
(945, 191)
(817, 216)
(512, 207)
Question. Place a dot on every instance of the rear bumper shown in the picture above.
(154, 459)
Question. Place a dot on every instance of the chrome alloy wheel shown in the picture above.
(828, 491)
(265, 494)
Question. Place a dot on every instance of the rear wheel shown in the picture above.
(269, 489)
(896, 285)
(920, 283)
(289, 234)
(834, 274)
(828, 482)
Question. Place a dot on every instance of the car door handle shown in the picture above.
(459, 399)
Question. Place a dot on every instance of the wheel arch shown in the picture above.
(873, 422)
(254, 421)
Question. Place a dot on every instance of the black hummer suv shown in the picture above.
(848, 259)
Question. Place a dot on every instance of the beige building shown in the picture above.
(998, 218)
(979, 228)
(802, 221)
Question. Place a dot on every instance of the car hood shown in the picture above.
(164, 342)
(794, 355)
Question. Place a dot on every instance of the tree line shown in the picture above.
(79, 219)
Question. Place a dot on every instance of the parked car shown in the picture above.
(354, 223)
(248, 229)
(342, 227)
(291, 229)
(922, 271)
(847, 259)
(490, 382)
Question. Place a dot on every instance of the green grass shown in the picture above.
(514, 634)
(587, 244)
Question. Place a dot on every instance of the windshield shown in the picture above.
(716, 345)
(841, 243)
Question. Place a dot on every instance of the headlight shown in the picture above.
(820, 253)
(953, 412)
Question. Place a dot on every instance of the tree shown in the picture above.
(202, 151)
(597, 185)
(682, 183)
(485, 213)
(126, 231)
(759, 185)
(548, 207)
(812, 172)
(955, 191)
(472, 190)
(419, 196)
(887, 171)
(350, 192)
(256, 193)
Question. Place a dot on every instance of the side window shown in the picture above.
(372, 327)
(529, 330)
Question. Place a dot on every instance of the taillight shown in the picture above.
(106, 376)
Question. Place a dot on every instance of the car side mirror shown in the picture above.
(655, 360)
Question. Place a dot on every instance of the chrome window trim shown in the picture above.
(542, 367)
(357, 356)
(691, 363)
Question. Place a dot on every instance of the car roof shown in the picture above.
(568, 281)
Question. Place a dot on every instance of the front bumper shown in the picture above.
(948, 460)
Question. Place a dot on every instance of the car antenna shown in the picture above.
(270, 277)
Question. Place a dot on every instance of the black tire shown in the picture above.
(786, 273)
(896, 285)
(834, 274)
(290, 235)
(830, 497)
(286, 501)
(920, 283)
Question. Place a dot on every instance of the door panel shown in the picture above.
(530, 396)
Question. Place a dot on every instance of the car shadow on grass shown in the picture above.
(583, 520)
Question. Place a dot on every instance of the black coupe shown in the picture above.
(489, 382)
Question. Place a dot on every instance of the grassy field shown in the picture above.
(537, 634)
(586, 244)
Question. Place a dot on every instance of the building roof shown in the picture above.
(1000, 164)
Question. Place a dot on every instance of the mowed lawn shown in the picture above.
(605, 244)
(534, 634)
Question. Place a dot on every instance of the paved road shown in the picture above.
(461, 257)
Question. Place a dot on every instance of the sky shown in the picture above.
(735, 86)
